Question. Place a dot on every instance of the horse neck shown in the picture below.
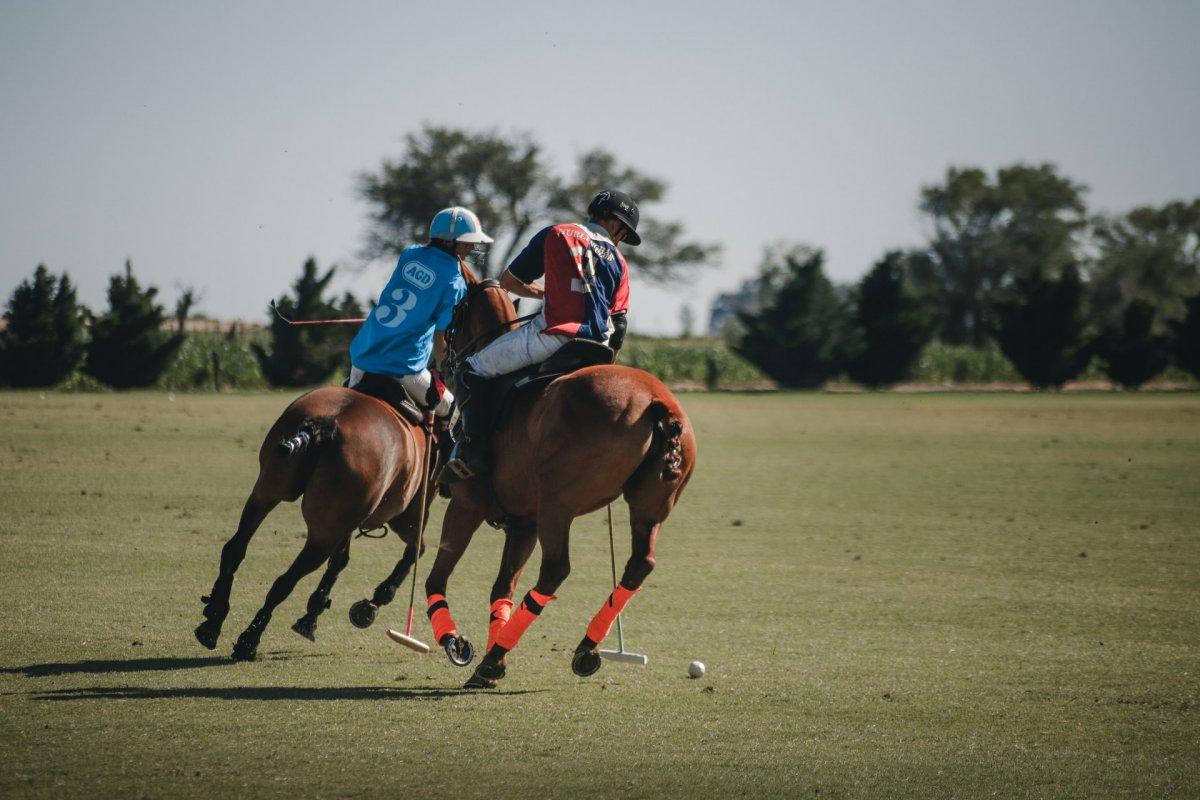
(487, 314)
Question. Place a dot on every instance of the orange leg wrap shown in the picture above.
(501, 611)
(531, 606)
(603, 621)
(439, 614)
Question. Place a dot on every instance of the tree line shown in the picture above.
(1013, 259)
(50, 337)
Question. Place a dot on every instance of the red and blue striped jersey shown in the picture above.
(579, 300)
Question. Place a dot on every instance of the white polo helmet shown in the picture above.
(457, 224)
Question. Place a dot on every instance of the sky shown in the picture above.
(217, 145)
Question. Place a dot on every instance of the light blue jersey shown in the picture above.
(397, 337)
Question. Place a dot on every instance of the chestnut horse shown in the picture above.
(359, 465)
(571, 448)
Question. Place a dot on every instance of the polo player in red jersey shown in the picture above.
(585, 295)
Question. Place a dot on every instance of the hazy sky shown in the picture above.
(216, 144)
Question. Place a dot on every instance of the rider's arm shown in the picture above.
(620, 323)
(514, 285)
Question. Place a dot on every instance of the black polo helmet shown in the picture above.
(620, 206)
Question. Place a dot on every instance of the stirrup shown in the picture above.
(459, 469)
(456, 470)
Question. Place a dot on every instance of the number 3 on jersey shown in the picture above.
(390, 316)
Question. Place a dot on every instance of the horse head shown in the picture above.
(483, 314)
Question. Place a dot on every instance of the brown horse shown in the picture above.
(588, 438)
(359, 465)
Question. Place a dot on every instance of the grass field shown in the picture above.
(896, 596)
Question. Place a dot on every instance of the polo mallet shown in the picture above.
(342, 321)
(620, 654)
(396, 636)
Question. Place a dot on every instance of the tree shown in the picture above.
(44, 340)
(893, 324)
(188, 297)
(663, 251)
(129, 347)
(986, 234)
(1132, 351)
(307, 355)
(803, 335)
(508, 183)
(1042, 328)
(687, 322)
(1150, 255)
(1187, 337)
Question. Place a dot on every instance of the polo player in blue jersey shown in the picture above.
(390, 355)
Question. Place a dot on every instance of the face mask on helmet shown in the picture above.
(479, 255)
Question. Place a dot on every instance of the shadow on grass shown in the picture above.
(262, 693)
(101, 666)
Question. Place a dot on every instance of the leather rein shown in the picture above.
(456, 354)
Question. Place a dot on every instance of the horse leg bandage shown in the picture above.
(439, 614)
(602, 623)
(501, 611)
(530, 608)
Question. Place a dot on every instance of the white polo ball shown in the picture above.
(696, 669)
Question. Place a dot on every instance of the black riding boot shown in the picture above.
(473, 452)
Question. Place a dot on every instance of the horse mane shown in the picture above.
(467, 274)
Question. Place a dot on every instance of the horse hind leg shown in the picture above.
(216, 602)
(362, 613)
(306, 626)
(312, 556)
(644, 530)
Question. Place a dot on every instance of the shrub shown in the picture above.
(802, 337)
(44, 341)
(129, 347)
(893, 325)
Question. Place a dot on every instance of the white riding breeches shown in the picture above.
(516, 349)
(417, 386)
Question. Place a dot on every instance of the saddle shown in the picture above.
(392, 392)
(574, 355)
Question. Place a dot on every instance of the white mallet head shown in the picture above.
(696, 669)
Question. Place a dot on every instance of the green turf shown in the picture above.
(896, 596)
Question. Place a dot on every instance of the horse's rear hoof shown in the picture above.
(207, 635)
(307, 628)
(362, 613)
(460, 651)
(585, 663)
(477, 681)
(245, 651)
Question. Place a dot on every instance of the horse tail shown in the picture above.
(667, 445)
(310, 435)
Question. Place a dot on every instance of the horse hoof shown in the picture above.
(307, 628)
(490, 671)
(478, 682)
(585, 663)
(362, 613)
(245, 650)
(207, 635)
(460, 651)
